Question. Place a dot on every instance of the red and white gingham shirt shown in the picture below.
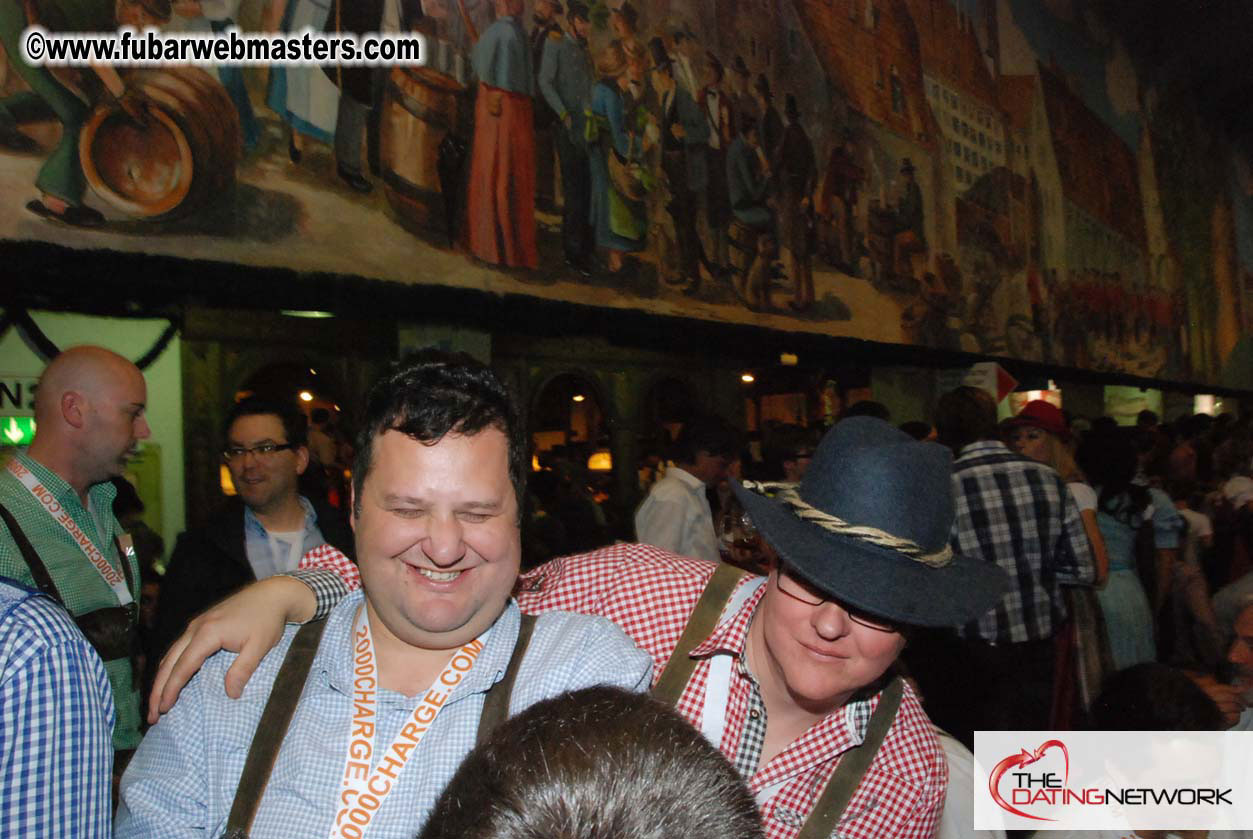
(650, 593)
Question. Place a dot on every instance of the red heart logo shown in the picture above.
(1024, 758)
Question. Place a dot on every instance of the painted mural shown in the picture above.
(994, 176)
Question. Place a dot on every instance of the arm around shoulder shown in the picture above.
(249, 622)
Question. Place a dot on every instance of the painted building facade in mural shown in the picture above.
(983, 175)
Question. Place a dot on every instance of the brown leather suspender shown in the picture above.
(496, 706)
(704, 618)
(272, 728)
(112, 631)
(852, 767)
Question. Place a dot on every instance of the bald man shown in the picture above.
(57, 529)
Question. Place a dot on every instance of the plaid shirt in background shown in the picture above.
(56, 724)
(1018, 513)
(650, 594)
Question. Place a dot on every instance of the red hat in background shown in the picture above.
(1045, 415)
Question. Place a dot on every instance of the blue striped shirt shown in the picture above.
(182, 780)
(56, 723)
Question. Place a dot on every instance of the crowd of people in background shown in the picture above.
(1157, 522)
(1072, 566)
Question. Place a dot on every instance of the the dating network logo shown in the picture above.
(1112, 780)
(1033, 781)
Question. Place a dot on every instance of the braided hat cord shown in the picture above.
(787, 494)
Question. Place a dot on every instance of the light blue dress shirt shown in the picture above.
(265, 561)
(56, 723)
(182, 780)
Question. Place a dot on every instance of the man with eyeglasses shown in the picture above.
(791, 675)
(264, 530)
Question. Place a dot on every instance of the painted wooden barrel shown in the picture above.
(184, 156)
(420, 107)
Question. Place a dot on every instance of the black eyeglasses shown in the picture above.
(798, 589)
(260, 450)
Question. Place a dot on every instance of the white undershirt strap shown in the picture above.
(718, 685)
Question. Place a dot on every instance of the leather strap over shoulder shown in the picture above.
(496, 706)
(852, 767)
(702, 622)
(272, 728)
(38, 571)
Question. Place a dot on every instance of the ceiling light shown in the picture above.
(306, 313)
(306, 396)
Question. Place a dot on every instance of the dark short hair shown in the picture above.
(295, 426)
(965, 415)
(431, 393)
(706, 433)
(1109, 461)
(917, 429)
(1154, 697)
(867, 408)
(592, 764)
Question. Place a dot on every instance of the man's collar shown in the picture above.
(981, 446)
(253, 523)
(732, 635)
(686, 478)
(101, 494)
(334, 658)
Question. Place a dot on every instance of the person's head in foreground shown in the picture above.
(599, 763)
(863, 546)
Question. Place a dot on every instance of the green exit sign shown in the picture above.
(16, 431)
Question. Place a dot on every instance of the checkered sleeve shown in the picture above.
(56, 723)
(1073, 558)
(329, 574)
(923, 821)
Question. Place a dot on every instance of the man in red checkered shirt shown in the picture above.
(792, 674)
